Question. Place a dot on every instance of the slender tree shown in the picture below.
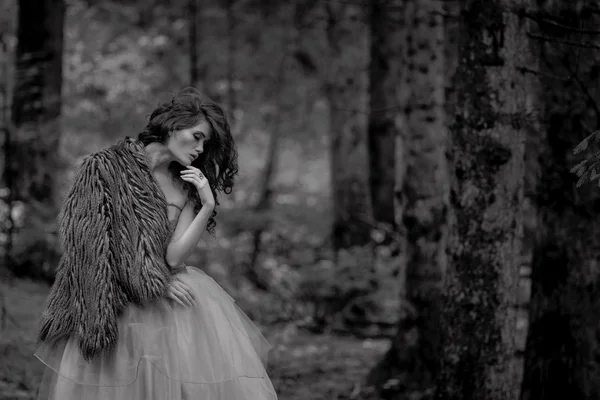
(490, 99)
(346, 88)
(563, 349)
(421, 194)
(265, 194)
(35, 113)
(383, 107)
(7, 225)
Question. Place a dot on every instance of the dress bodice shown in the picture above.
(173, 220)
(172, 226)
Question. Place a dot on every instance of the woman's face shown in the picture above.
(187, 144)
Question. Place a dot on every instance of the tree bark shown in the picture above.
(347, 92)
(422, 199)
(491, 100)
(265, 185)
(7, 223)
(36, 109)
(562, 353)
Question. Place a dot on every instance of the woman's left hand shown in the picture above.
(181, 293)
(194, 176)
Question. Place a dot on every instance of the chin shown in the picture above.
(185, 161)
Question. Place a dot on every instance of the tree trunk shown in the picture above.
(197, 34)
(265, 186)
(485, 226)
(6, 221)
(36, 109)
(347, 92)
(6, 132)
(383, 81)
(422, 199)
(562, 353)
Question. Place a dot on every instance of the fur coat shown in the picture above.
(114, 232)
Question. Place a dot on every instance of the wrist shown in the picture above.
(209, 205)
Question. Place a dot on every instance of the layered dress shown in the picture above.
(108, 331)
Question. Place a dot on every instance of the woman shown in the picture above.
(125, 318)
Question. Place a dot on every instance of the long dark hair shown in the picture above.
(218, 161)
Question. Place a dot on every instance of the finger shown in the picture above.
(186, 291)
(189, 173)
(196, 171)
(193, 175)
(174, 297)
(182, 299)
(189, 295)
(189, 299)
(195, 180)
(194, 168)
(190, 178)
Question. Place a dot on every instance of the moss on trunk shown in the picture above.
(489, 99)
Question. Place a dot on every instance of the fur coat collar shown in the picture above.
(114, 231)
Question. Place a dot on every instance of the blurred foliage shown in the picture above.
(121, 58)
(300, 364)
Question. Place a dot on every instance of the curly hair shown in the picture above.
(218, 161)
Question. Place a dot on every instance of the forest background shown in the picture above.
(407, 221)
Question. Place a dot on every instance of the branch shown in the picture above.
(585, 91)
(564, 41)
(527, 70)
(544, 20)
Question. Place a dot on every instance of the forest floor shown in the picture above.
(301, 365)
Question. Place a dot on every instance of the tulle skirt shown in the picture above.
(165, 351)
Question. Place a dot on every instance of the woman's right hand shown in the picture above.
(194, 176)
(181, 293)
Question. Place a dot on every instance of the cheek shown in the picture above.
(185, 143)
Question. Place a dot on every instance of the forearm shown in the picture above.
(180, 249)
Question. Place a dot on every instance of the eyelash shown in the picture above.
(198, 137)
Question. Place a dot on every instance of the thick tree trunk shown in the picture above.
(422, 201)
(485, 226)
(563, 350)
(347, 92)
(36, 110)
(383, 79)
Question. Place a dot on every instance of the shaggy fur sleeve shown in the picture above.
(142, 229)
(86, 276)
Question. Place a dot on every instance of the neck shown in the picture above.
(159, 156)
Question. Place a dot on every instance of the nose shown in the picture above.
(200, 148)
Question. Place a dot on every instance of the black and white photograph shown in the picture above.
(299, 199)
